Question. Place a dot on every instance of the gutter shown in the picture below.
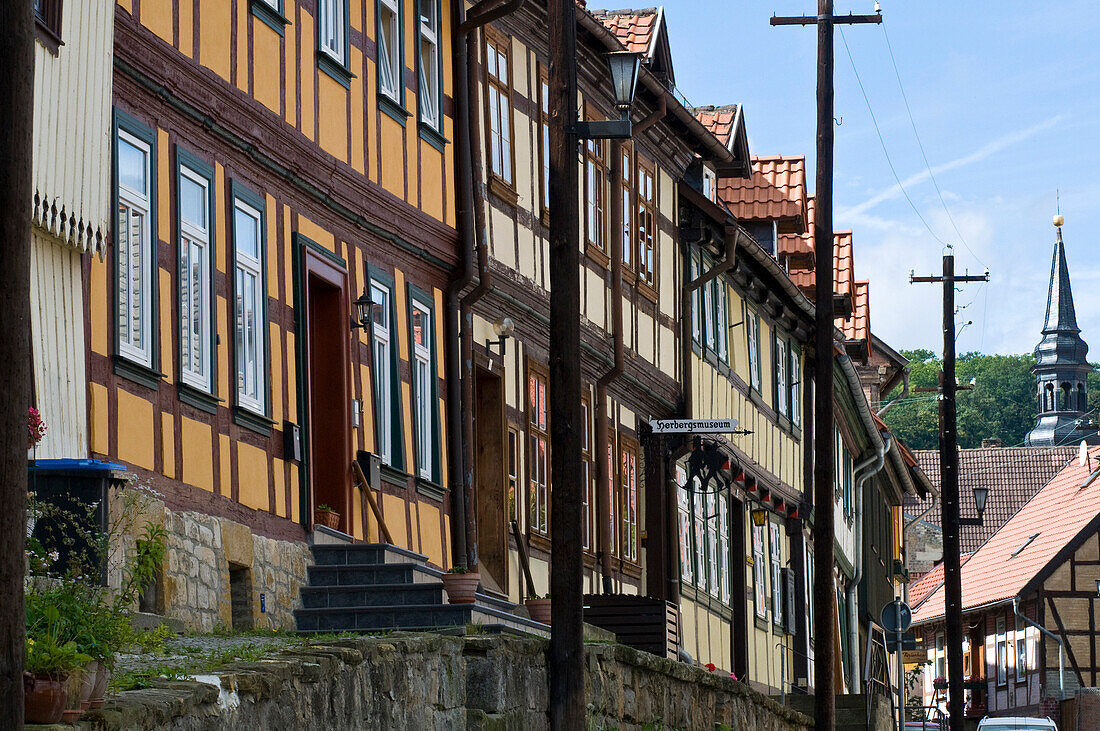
(1051, 635)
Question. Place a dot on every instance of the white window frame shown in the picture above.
(752, 328)
(429, 98)
(249, 364)
(382, 360)
(423, 392)
(700, 533)
(710, 184)
(759, 572)
(1021, 651)
(390, 64)
(140, 348)
(696, 301)
(713, 567)
(724, 546)
(498, 91)
(775, 539)
(1001, 656)
(782, 384)
(333, 30)
(794, 354)
(195, 298)
(710, 325)
(683, 502)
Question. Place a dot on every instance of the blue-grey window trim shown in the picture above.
(433, 135)
(242, 415)
(415, 294)
(341, 73)
(274, 18)
(397, 421)
(396, 107)
(150, 377)
(205, 400)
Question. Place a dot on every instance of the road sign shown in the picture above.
(896, 616)
(693, 426)
(908, 642)
(914, 657)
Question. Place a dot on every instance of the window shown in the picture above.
(647, 222)
(626, 206)
(752, 328)
(612, 518)
(710, 328)
(249, 294)
(628, 477)
(795, 376)
(700, 534)
(696, 300)
(724, 546)
(595, 194)
(134, 193)
(538, 456)
(589, 474)
(775, 536)
(941, 655)
(683, 505)
(513, 476)
(193, 185)
(384, 366)
(710, 184)
(423, 386)
(721, 319)
(781, 384)
(544, 137)
(390, 63)
(500, 106)
(712, 543)
(759, 572)
(1002, 653)
(47, 15)
(429, 64)
(332, 27)
(1021, 651)
(809, 592)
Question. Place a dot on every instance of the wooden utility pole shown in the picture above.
(824, 530)
(949, 492)
(16, 112)
(567, 704)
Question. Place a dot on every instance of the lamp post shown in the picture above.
(981, 494)
(566, 658)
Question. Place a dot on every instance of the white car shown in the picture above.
(1016, 723)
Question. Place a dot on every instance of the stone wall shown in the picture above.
(217, 574)
(435, 681)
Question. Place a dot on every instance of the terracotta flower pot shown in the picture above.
(461, 587)
(44, 697)
(87, 685)
(74, 688)
(539, 609)
(327, 518)
(102, 677)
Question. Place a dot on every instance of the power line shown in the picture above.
(882, 142)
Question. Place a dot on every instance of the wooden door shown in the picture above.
(490, 435)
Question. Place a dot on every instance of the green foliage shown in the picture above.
(1001, 404)
(48, 649)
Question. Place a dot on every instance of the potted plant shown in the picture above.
(461, 585)
(538, 606)
(326, 516)
(47, 665)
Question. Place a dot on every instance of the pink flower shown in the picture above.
(36, 428)
(710, 667)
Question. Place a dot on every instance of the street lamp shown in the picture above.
(624, 67)
(363, 309)
(981, 494)
(503, 328)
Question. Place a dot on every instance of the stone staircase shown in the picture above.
(373, 587)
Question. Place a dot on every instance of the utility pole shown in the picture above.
(949, 491)
(16, 112)
(567, 704)
(824, 529)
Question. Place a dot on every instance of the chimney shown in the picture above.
(991, 443)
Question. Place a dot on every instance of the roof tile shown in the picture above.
(633, 28)
(775, 191)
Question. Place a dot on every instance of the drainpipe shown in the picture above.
(1051, 635)
(864, 471)
(603, 476)
(904, 393)
(475, 258)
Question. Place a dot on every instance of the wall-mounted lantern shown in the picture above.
(363, 311)
(981, 495)
(624, 67)
(503, 328)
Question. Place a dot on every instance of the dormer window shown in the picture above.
(710, 184)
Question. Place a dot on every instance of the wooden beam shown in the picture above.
(1065, 637)
(369, 492)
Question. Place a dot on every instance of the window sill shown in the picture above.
(340, 74)
(252, 421)
(198, 398)
(430, 489)
(432, 136)
(138, 373)
(599, 256)
(762, 623)
(502, 190)
(538, 541)
(270, 16)
(394, 477)
(647, 290)
(49, 40)
(393, 109)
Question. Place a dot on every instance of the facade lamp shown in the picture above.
(363, 309)
(759, 517)
(624, 67)
(981, 494)
(503, 328)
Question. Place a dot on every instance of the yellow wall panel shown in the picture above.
(214, 31)
(243, 14)
(186, 25)
(158, 16)
(288, 257)
(357, 513)
(198, 454)
(135, 430)
(98, 306)
(272, 219)
(412, 145)
(311, 230)
(402, 321)
(371, 83)
(226, 466)
(128, 5)
(367, 396)
(291, 377)
(164, 220)
(266, 75)
(101, 424)
(431, 541)
(358, 161)
(290, 73)
(393, 512)
(295, 496)
(393, 157)
(166, 362)
(252, 476)
(309, 71)
(431, 171)
(168, 445)
(276, 373)
(406, 420)
(333, 122)
(279, 471)
(223, 352)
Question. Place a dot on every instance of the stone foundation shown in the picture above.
(434, 681)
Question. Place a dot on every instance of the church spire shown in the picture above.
(1061, 316)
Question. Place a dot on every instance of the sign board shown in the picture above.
(896, 616)
(693, 426)
(914, 657)
(908, 642)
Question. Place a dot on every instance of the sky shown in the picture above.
(1005, 98)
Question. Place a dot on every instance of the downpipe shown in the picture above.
(1051, 635)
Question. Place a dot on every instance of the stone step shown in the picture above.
(370, 574)
(364, 553)
(372, 595)
(412, 617)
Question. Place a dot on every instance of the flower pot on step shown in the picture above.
(74, 688)
(539, 609)
(461, 588)
(102, 677)
(87, 685)
(44, 697)
(327, 518)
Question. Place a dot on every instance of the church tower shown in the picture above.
(1060, 365)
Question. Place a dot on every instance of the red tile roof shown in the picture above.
(1012, 474)
(858, 327)
(718, 120)
(633, 28)
(776, 191)
(799, 247)
(1027, 543)
(923, 587)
